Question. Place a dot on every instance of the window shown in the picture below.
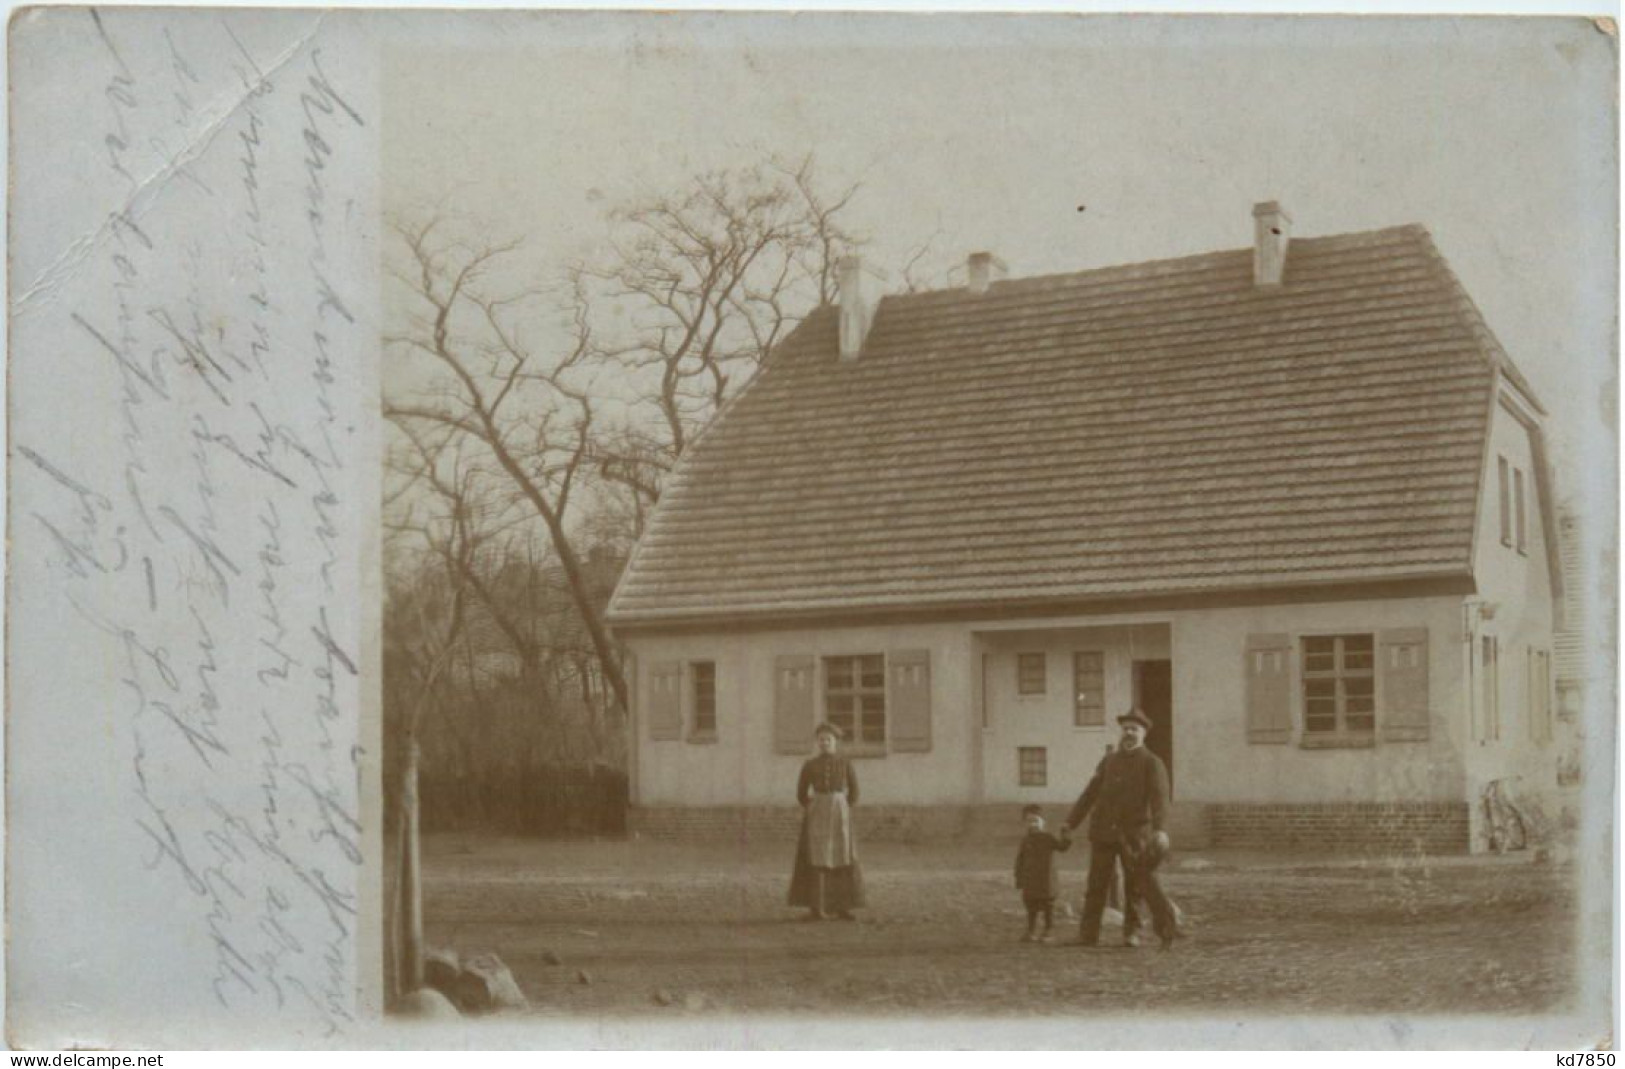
(1339, 688)
(703, 699)
(1506, 502)
(1490, 686)
(855, 698)
(1089, 688)
(1518, 509)
(1033, 765)
(1030, 673)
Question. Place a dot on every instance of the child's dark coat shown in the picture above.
(1035, 865)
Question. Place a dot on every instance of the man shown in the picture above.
(1129, 798)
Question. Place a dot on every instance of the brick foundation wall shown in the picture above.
(1432, 827)
(877, 823)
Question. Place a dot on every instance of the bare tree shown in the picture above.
(694, 292)
(707, 282)
(531, 412)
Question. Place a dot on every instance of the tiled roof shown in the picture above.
(1157, 428)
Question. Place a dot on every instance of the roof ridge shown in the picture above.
(1167, 265)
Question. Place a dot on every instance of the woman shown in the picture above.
(826, 879)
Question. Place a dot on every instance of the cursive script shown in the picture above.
(198, 528)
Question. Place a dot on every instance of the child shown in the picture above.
(1035, 872)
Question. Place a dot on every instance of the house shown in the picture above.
(1289, 500)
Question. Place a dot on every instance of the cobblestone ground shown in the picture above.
(668, 928)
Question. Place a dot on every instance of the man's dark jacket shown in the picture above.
(1129, 797)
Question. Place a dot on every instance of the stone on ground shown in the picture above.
(441, 969)
(427, 1004)
(485, 985)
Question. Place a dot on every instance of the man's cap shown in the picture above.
(1134, 716)
(826, 728)
(1032, 810)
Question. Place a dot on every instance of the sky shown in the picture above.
(989, 133)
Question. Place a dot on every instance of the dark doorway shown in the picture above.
(1154, 696)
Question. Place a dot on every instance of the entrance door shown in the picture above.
(1154, 696)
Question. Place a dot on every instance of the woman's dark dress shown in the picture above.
(843, 886)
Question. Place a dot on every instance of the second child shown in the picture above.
(1036, 875)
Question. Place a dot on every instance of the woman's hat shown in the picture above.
(1134, 716)
(826, 728)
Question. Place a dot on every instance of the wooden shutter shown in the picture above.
(793, 704)
(1540, 695)
(666, 701)
(1269, 688)
(1402, 664)
(909, 701)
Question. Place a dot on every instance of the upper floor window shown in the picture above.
(1339, 687)
(1030, 673)
(1514, 505)
(1520, 526)
(1505, 480)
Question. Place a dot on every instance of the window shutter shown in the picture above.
(793, 704)
(1402, 657)
(910, 700)
(1269, 688)
(666, 701)
(1540, 689)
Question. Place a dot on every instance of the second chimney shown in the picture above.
(856, 314)
(981, 269)
(1272, 229)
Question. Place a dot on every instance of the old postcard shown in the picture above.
(773, 529)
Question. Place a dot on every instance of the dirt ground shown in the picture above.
(641, 927)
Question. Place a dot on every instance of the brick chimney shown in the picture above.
(1272, 228)
(981, 269)
(856, 315)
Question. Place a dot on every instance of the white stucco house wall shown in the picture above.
(1290, 500)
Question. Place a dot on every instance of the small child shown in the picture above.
(1035, 872)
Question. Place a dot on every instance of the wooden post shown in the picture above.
(411, 899)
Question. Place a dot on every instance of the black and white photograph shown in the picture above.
(1089, 524)
(811, 530)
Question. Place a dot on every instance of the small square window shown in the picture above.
(1030, 673)
(1033, 765)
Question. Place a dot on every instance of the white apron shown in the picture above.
(829, 831)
